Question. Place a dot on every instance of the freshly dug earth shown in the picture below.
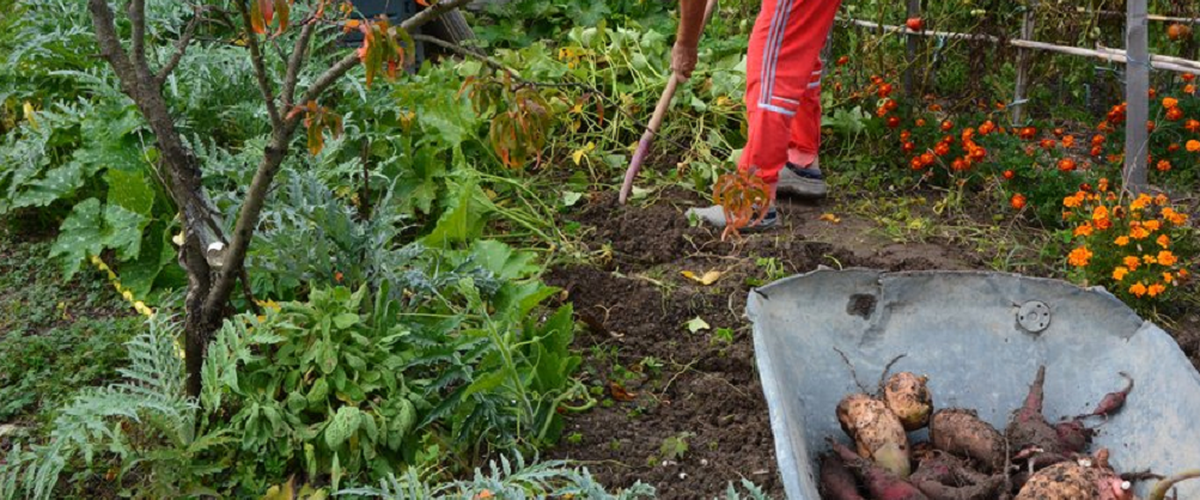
(675, 386)
(687, 414)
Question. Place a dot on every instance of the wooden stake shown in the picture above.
(914, 10)
(1137, 90)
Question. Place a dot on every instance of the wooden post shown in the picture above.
(1137, 89)
(1023, 56)
(914, 10)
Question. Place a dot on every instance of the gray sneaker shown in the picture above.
(802, 182)
(715, 216)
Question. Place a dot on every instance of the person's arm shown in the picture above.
(687, 37)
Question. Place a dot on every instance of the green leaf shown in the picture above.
(123, 231)
(345, 320)
(130, 189)
(500, 259)
(55, 184)
(318, 393)
(464, 220)
(343, 425)
(485, 383)
(157, 253)
(697, 324)
(79, 236)
(327, 358)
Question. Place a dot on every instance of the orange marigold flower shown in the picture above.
(1066, 164)
(1155, 289)
(1017, 201)
(1183, 274)
(1163, 165)
(905, 135)
(1079, 257)
(1138, 289)
(1103, 184)
(1192, 125)
(941, 149)
(893, 121)
(1187, 77)
(1174, 114)
(1027, 133)
(1189, 89)
(908, 147)
(1193, 146)
(1161, 199)
(1170, 102)
(1150, 125)
(1084, 230)
(916, 163)
(1097, 151)
(1152, 225)
(1167, 258)
(1068, 141)
(1132, 262)
(1008, 174)
(1149, 259)
(1153, 92)
(1097, 140)
(1167, 278)
(927, 158)
(1100, 212)
(1173, 147)
(920, 122)
(1163, 241)
(1122, 241)
(958, 165)
(1120, 272)
(884, 90)
(1139, 233)
(1047, 143)
(1071, 202)
(935, 107)
(947, 125)
(843, 60)
(1103, 224)
(1173, 217)
(1142, 201)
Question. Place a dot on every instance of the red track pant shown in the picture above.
(783, 83)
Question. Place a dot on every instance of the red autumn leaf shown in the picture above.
(619, 393)
(267, 7)
(423, 3)
(284, 8)
(256, 18)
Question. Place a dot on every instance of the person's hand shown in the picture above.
(683, 58)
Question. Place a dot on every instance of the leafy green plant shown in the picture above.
(146, 424)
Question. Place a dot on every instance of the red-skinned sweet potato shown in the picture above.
(837, 482)
(880, 483)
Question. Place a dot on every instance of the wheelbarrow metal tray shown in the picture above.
(979, 337)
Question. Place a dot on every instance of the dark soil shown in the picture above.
(661, 383)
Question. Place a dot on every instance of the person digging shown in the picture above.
(783, 96)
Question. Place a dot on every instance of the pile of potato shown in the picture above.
(965, 457)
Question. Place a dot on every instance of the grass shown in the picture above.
(55, 336)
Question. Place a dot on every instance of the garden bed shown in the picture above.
(698, 399)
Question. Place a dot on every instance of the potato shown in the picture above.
(908, 397)
(961, 432)
(1063, 481)
(877, 432)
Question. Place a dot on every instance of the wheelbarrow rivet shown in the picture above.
(1034, 316)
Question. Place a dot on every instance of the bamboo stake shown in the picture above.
(1114, 56)
(1179, 61)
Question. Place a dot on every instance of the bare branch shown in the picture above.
(432, 13)
(260, 69)
(465, 52)
(180, 47)
(110, 46)
(137, 16)
(295, 62)
(243, 231)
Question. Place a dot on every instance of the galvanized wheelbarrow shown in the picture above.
(980, 337)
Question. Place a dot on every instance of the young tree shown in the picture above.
(212, 259)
